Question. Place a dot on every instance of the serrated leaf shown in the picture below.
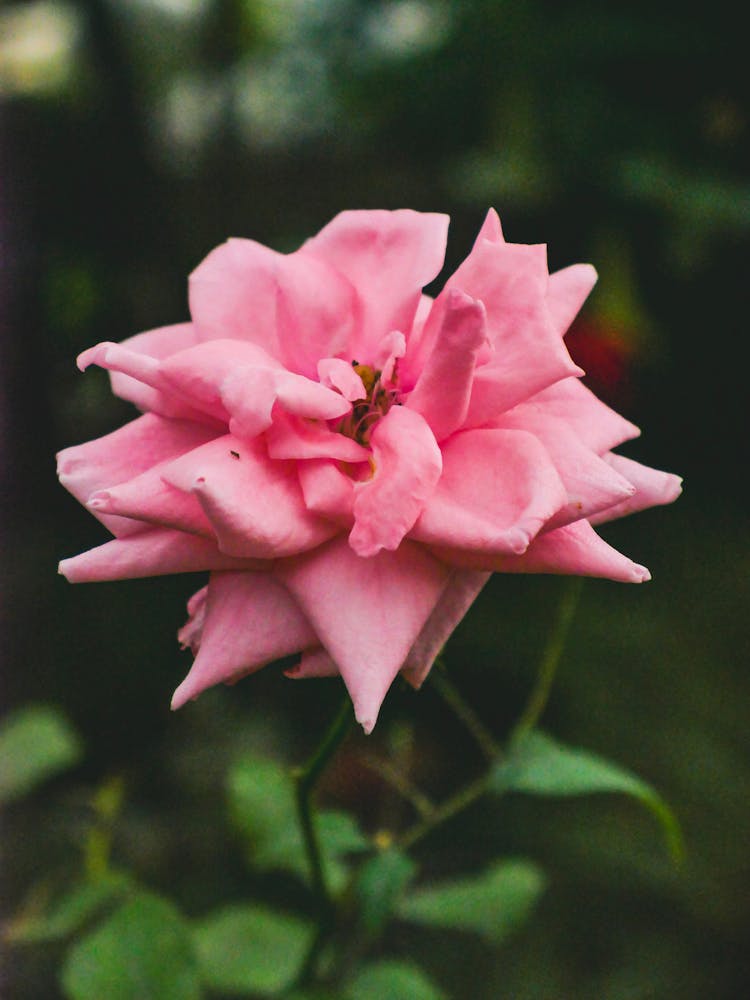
(71, 911)
(493, 904)
(380, 882)
(262, 805)
(392, 980)
(251, 949)
(142, 952)
(539, 765)
(36, 743)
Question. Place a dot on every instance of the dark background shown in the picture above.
(148, 131)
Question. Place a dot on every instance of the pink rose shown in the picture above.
(350, 459)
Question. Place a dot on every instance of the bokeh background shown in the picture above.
(138, 134)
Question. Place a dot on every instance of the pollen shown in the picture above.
(378, 399)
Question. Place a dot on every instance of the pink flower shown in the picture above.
(350, 459)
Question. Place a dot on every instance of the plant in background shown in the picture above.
(350, 459)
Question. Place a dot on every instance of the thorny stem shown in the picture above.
(305, 780)
(550, 659)
(455, 700)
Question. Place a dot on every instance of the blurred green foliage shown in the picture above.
(137, 134)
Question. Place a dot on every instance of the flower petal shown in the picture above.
(443, 389)
(313, 663)
(407, 467)
(292, 437)
(367, 613)
(151, 552)
(189, 636)
(575, 549)
(148, 498)
(597, 425)
(497, 490)
(233, 293)
(250, 619)
(460, 593)
(327, 490)
(159, 343)
(388, 257)
(567, 290)
(125, 453)
(652, 488)
(254, 504)
(335, 373)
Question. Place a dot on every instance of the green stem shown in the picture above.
(550, 659)
(447, 810)
(305, 780)
(454, 699)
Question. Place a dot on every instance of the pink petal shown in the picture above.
(574, 549)
(159, 344)
(491, 230)
(597, 425)
(407, 466)
(292, 437)
(497, 490)
(317, 311)
(591, 483)
(652, 488)
(147, 498)
(388, 257)
(567, 290)
(233, 293)
(125, 453)
(327, 491)
(443, 389)
(254, 504)
(151, 552)
(189, 636)
(250, 619)
(335, 373)
(460, 593)
(367, 613)
(314, 663)
(249, 395)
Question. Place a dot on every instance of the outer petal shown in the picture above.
(567, 290)
(367, 613)
(575, 549)
(151, 552)
(458, 596)
(591, 483)
(158, 343)
(388, 257)
(254, 504)
(125, 453)
(407, 467)
(497, 490)
(443, 389)
(597, 425)
(250, 620)
(147, 498)
(192, 631)
(313, 663)
(233, 293)
(652, 488)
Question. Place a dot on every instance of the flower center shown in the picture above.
(380, 397)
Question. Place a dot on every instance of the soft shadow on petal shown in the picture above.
(255, 505)
(407, 467)
(327, 490)
(151, 552)
(497, 490)
(652, 488)
(388, 257)
(597, 425)
(297, 438)
(367, 613)
(313, 663)
(250, 619)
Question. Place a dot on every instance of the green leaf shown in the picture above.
(35, 743)
(391, 980)
(380, 882)
(493, 904)
(261, 799)
(142, 952)
(539, 765)
(71, 911)
(251, 949)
